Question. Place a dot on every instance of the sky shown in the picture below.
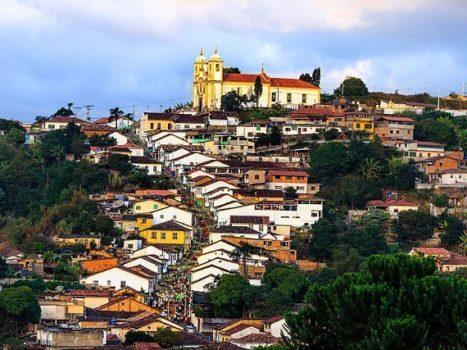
(138, 54)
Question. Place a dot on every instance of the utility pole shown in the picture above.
(463, 90)
(88, 111)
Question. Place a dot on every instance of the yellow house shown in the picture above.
(156, 122)
(361, 121)
(148, 206)
(210, 83)
(136, 222)
(170, 233)
(89, 241)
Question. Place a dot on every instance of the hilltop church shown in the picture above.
(210, 83)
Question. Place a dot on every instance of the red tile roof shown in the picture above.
(433, 251)
(391, 202)
(275, 82)
(273, 319)
(288, 173)
(238, 328)
(81, 293)
(65, 119)
(98, 265)
(261, 338)
(392, 118)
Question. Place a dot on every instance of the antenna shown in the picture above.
(88, 111)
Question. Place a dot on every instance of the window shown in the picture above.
(314, 215)
(138, 207)
(357, 126)
(143, 221)
(256, 177)
(161, 216)
(158, 126)
(217, 67)
(155, 206)
(122, 284)
(367, 126)
(163, 235)
(304, 98)
(391, 131)
(174, 235)
(273, 97)
(289, 97)
(154, 235)
(152, 126)
(175, 217)
(130, 246)
(109, 282)
(51, 126)
(95, 283)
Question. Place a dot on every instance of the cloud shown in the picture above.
(169, 18)
(362, 69)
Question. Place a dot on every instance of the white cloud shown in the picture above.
(170, 18)
(362, 69)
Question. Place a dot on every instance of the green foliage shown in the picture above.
(453, 229)
(4, 269)
(16, 136)
(258, 89)
(166, 338)
(323, 238)
(328, 161)
(288, 280)
(396, 304)
(351, 87)
(102, 141)
(354, 191)
(119, 162)
(331, 134)
(314, 79)
(345, 259)
(64, 111)
(18, 308)
(231, 296)
(135, 337)
(412, 225)
(231, 70)
(441, 200)
(272, 139)
(233, 102)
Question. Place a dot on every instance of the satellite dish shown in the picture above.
(117, 203)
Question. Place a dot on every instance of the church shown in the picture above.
(210, 83)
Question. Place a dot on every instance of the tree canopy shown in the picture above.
(351, 87)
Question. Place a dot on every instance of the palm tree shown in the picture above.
(243, 252)
(463, 242)
(115, 113)
(370, 169)
(57, 152)
(36, 154)
(394, 164)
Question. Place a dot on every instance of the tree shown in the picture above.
(412, 225)
(233, 102)
(18, 308)
(331, 134)
(435, 130)
(166, 338)
(231, 70)
(354, 191)
(306, 77)
(16, 136)
(316, 78)
(231, 296)
(352, 87)
(453, 230)
(102, 141)
(258, 90)
(119, 162)
(441, 200)
(345, 259)
(290, 193)
(64, 111)
(288, 280)
(115, 114)
(137, 337)
(396, 303)
(371, 169)
(4, 269)
(243, 253)
(328, 161)
(323, 238)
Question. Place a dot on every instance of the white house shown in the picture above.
(120, 122)
(120, 137)
(121, 277)
(173, 213)
(205, 275)
(170, 257)
(449, 177)
(297, 213)
(257, 223)
(167, 138)
(304, 129)
(233, 231)
(150, 262)
(221, 254)
(219, 200)
(188, 122)
(251, 131)
(187, 161)
(132, 244)
(276, 326)
(213, 185)
(152, 166)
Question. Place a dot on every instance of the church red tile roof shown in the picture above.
(275, 82)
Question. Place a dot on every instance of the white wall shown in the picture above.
(113, 278)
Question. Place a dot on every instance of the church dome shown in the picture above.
(215, 56)
(201, 57)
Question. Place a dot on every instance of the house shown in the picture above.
(236, 231)
(97, 265)
(90, 129)
(146, 322)
(170, 256)
(120, 277)
(435, 164)
(89, 241)
(188, 122)
(446, 261)
(206, 275)
(57, 338)
(172, 233)
(59, 311)
(150, 262)
(297, 213)
(252, 130)
(259, 195)
(90, 298)
(257, 223)
(276, 246)
(213, 185)
(148, 206)
(276, 326)
(291, 130)
(237, 328)
(165, 138)
(168, 213)
(132, 245)
(449, 177)
(394, 127)
(152, 166)
(156, 121)
(126, 304)
(361, 122)
(117, 122)
(187, 162)
(134, 222)
(130, 149)
(222, 119)
(283, 179)
(60, 122)
(392, 206)
(419, 150)
(255, 340)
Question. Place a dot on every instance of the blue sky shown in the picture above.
(140, 52)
